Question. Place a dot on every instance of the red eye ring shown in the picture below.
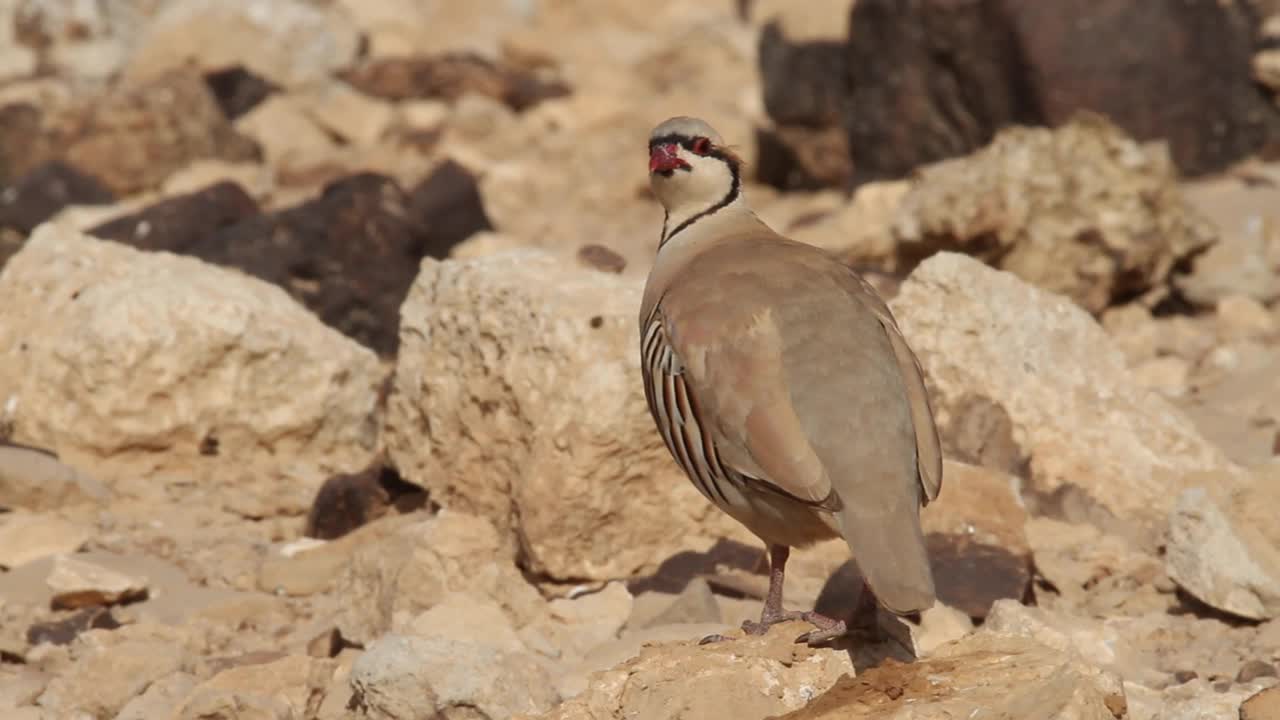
(701, 146)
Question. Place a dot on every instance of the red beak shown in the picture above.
(664, 159)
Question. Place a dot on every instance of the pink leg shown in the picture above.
(773, 612)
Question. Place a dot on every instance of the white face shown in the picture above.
(689, 174)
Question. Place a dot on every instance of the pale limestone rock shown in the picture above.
(118, 356)
(517, 398)
(160, 698)
(21, 688)
(746, 678)
(351, 115)
(80, 583)
(288, 134)
(1243, 210)
(1101, 645)
(279, 689)
(466, 618)
(1224, 546)
(984, 674)
(413, 678)
(939, 625)
(1076, 411)
(25, 537)
(1169, 375)
(1082, 210)
(578, 625)
(288, 42)
(111, 667)
(860, 232)
(1241, 317)
(389, 583)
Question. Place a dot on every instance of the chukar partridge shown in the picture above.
(781, 384)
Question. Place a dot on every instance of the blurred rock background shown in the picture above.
(319, 390)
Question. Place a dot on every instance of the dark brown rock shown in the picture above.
(448, 207)
(41, 193)
(238, 90)
(62, 632)
(181, 223)
(803, 81)
(1255, 669)
(24, 144)
(795, 157)
(929, 80)
(599, 257)
(347, 501)
(1178, 71)
(932, 79)
(449, 77)
(348, 255)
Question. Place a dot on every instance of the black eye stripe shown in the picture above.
(687, 143)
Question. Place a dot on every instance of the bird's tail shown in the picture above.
(889, 550)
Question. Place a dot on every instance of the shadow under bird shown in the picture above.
(781, 384)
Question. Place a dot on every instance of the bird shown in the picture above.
(782, 385)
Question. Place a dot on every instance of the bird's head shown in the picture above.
(690, 169)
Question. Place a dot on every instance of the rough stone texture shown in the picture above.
(1082, 210)
(931, 79)
(284, 688)
(108, 352)
(1224, 547)
(288, 42)
(517, 398)
(1076, 412)
(390, 582)
(412, 678)
(747, 678)
(1034, 681)
(110, 667)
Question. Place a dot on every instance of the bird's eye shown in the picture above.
(701, 146)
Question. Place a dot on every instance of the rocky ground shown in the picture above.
(320, 398)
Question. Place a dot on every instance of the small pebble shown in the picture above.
(1255, 669)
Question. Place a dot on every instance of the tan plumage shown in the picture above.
(780, 382)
